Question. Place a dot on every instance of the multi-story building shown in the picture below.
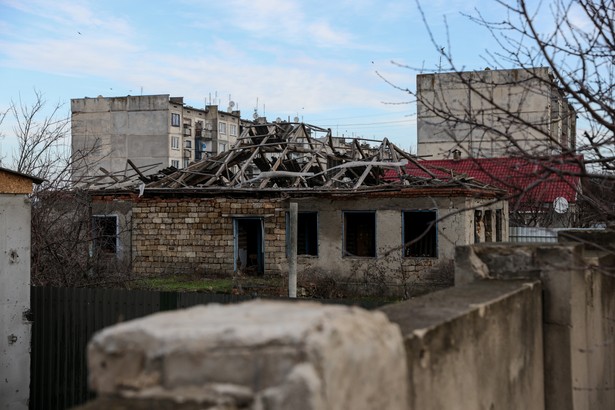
(493, 113)
(148, 130)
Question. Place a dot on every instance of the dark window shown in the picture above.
(175, 120)
(360, 234)
(498, 225)
(105, 233)
(420, 234)
(307, 233)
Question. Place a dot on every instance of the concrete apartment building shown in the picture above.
(492, 113)
(148, 130)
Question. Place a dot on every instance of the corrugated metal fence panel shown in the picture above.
(65, 319)
(528, 234)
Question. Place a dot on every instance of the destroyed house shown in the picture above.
(229, 213)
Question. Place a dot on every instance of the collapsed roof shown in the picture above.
(294, 156)
(290, 155)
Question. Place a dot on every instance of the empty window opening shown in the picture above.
(360, 234)
(420, 234)
(478, 220)
(105, 233)
(498, 225)
(307, 233)
(488, 226)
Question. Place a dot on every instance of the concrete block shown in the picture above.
(284, 355)
(475, 346)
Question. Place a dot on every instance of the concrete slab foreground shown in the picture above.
(258, 354)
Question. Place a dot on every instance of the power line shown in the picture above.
(367, 123)
(364, 116)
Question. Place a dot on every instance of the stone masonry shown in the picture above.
(196, 234)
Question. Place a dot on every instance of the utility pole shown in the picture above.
(292, 254)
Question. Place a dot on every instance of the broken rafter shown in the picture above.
(255, 151)
(283, 155)
(415, 162)
(368, 169)
(291, 155)
(277, 174)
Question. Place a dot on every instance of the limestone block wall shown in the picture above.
(196, 234)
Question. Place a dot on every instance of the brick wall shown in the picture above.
(196, 235)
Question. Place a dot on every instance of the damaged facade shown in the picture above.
(229, 213)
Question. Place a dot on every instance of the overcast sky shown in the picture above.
(317, 60)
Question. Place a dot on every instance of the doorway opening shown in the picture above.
(249, 246)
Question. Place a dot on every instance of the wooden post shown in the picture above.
(292, 254)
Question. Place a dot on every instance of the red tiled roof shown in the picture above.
(528, 180)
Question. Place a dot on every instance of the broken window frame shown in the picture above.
(478, 224)
(307, 237)
(350, 233)
(488, 224)
(105, 242)
(427, 244)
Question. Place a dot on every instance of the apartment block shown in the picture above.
(149, 130)
(493, 113)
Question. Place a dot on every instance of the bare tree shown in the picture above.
(63, 237)
(567, 56)
(43, 134)
(578, 47)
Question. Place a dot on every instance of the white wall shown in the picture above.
(14, 301)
